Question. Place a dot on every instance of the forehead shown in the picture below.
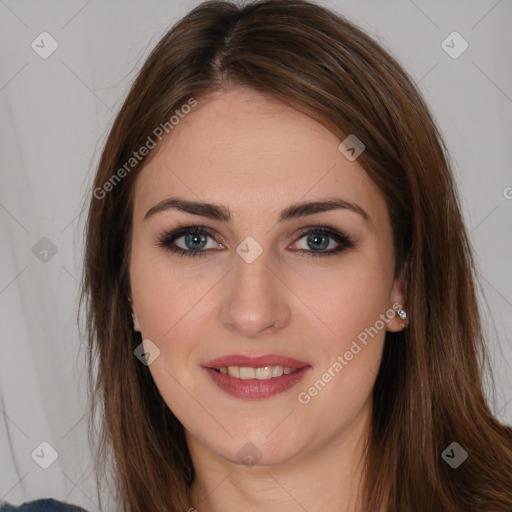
(253, 152)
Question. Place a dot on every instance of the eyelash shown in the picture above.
(166, 240)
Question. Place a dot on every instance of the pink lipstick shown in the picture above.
(255, 378)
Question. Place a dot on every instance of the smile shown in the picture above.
(250, 383)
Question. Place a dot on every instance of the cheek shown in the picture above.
(167, 294)
(172, 303)
(349, 304)
(341, 384)
(169, 307)
(347, 298)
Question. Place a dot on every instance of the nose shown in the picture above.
(255, 300)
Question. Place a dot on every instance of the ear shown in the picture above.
(136, 325)
(397, 300)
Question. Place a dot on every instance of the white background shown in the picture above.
(54, 115)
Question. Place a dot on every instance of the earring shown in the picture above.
(403, 315)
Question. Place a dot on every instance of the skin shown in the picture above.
(256, 156)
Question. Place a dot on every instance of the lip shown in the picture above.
(256, 389)
(255, 362)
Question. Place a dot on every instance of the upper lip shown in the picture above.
(255, 362)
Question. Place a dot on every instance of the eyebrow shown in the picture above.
(222, 213)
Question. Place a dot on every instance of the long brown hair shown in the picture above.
(429, 391)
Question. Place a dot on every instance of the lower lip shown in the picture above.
(256, 389)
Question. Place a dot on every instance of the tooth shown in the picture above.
(277, 371)
(234, 371)
(264, 373)
(261, 373)
(247, 373)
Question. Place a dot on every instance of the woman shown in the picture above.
(254, 141)
(279, 286)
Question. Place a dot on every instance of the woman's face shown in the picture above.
(244, 289)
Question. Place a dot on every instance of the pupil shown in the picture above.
(195, 239)
(313, 239)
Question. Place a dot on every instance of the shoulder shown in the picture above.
(44, 505)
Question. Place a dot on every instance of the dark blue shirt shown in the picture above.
(46, 505)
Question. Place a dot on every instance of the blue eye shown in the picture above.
(195, 241)
(194, 238)
(318, 239)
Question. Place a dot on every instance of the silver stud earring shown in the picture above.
(403, 315)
